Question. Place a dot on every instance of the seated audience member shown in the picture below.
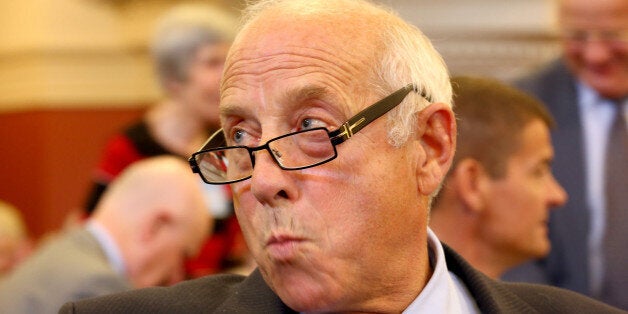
(332, 193)
(15, 244)
(188, 50)
(494, 205)
(148, 221)
(586, 90)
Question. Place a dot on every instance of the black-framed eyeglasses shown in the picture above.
(217, 163)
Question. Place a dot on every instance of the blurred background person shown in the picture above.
(188, 50)
(15, 243)
(587, 92)
(495, 202)
(148, 221)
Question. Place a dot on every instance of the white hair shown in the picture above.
(184, 29)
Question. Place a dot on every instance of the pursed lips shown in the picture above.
(281, 239)
(283, 247)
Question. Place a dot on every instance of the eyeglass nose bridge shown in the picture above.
(274, 154)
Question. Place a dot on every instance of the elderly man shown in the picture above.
(147, 222)
(494, 206)
(331, 196)
(587, 92)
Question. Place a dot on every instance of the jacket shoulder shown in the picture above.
(494, 296)
(550, 299)
(201, 295)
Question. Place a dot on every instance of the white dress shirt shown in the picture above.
(108, 245)
(444, 292)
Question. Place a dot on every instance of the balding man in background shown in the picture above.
(150, 219)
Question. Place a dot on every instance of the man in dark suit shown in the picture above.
(497, 196)
(587, 93)
(337, 132)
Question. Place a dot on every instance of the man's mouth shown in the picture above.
(283, 248)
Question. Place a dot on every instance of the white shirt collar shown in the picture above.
(108, 245)
(444, 292)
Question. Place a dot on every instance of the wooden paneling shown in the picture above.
(47, 157)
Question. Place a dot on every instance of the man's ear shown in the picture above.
(436, 133)
(469, 175)
(157, 222)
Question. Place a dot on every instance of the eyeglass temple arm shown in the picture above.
(369, 114)
(346, 131)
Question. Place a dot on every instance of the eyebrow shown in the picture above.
(292, 97)
(297, 95)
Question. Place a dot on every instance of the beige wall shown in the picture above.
(82, 52)
(77, 52)
(72, 74)
(502, 39)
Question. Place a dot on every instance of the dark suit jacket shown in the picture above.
(568, 263)
(238, 294)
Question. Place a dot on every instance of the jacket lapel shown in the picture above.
(490, 296)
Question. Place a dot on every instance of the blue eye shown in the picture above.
(311, 123)
(306, 123)
(238, 136)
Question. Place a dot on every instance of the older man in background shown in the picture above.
(587, 93)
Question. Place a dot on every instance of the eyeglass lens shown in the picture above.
(292, 151)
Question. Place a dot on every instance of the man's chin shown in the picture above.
(300, 292)
(607, 88)
(542, 249)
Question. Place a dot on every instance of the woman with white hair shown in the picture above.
(188, 50)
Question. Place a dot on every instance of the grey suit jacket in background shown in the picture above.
(568, 263)
(67, 267)
(238, 294)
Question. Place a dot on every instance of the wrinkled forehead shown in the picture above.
(311, 47)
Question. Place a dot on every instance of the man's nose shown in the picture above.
(270, 183)
(557, 194)
(596, 51)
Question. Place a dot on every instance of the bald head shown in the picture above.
(161, 183)
(155, 211)
(385, 54)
